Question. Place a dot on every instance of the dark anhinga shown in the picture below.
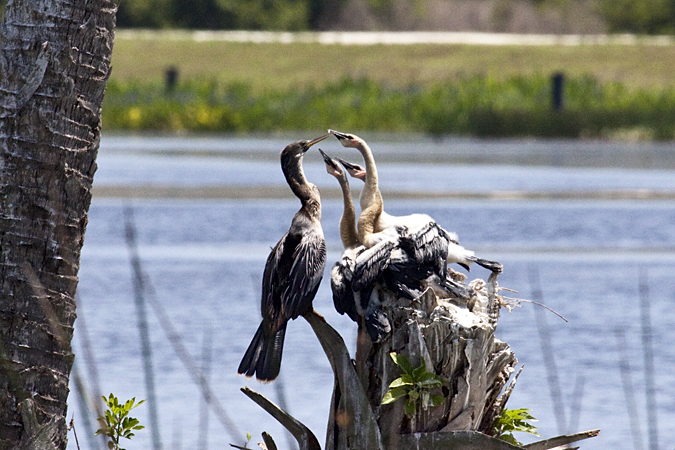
(292, 273)
(374, 220)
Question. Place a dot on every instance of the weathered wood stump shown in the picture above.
(454, 338)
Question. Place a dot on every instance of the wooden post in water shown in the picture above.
(557, 84)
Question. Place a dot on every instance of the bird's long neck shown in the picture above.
(303, 189)
(371, 189)
(348, 233)
(370, 199)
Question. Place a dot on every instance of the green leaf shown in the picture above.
(429, 383)
(514, 420)
(402, 362)
(394, 394)
(248, 436)
(437, 399)
(510, 439)
(410, 408)
(418, 373)
(400, 381)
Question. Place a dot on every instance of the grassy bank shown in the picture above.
(475, 105)
(623, 91)
(281, 66)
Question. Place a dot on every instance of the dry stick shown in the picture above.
(204, 407)
(92, 369)
(547, 350)
(648, 350)
(72, 427)
(84, 403)
(304, 436)
(627, 382)
(283, 404)
(130, 234)
(185, 357)
(575, 404)
(561, 440)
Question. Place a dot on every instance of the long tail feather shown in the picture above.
(263, 356)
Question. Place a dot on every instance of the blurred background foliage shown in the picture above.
(517, 16)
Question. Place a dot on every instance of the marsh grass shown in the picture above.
(478, 105)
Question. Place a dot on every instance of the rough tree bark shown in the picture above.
(54, 64)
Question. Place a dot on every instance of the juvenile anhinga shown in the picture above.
(354, 277)
(292, 273)
(373, 220)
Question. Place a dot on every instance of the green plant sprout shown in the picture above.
(245, 447)
(116, 423)
(511, 420)
(415, 384)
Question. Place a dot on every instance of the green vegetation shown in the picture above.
(474, 105)
(512, 420)
(116, 422)
(415, 384)
(439, 89)
(643, 17)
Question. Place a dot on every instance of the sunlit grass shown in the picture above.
(283, 66)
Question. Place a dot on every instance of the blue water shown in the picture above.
(204, 259)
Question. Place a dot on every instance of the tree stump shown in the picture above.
(454, 338)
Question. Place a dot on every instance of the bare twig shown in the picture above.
(561, 440)
(648, 350)
(137, 278)
(627, 382)
(547, 351)
(304, 436)
(515, 303)
(71, 426)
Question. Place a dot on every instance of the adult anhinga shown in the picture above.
(373, 219)
(293, 270)
(354, 277)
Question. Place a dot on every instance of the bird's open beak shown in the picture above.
(338, 135)
(314, 141)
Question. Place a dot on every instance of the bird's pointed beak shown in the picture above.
(327, 159)
(338, 135)
(316, 140)
(348, 165)
(354, 170)
(330, 162)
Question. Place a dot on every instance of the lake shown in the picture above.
(532, 205)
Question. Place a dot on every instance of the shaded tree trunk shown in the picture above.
(54, 64)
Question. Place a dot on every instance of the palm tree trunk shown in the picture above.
(54, 64)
